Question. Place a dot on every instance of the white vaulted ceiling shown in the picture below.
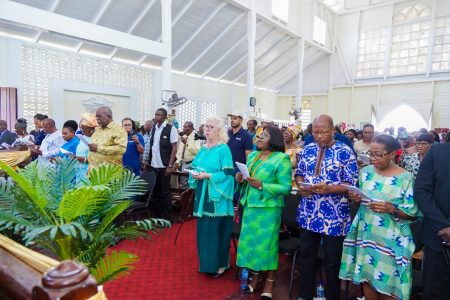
(209, 38)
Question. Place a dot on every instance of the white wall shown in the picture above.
(353, 105)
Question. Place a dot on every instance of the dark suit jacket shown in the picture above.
(432, 193)
(8, 137)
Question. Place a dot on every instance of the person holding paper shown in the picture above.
(24, 138)
(262, 198)
(379, 245)
(324, 211)
(88, 123)
(213, 205)
(362, 147)
(51, 143)
(109, 140)
(69, 148)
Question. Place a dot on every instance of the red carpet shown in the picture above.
(167, 271)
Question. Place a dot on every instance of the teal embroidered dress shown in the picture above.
(213, 206)
(379, 247)
(258, 241)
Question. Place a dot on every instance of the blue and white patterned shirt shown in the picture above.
(326, 214)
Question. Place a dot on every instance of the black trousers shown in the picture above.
(436, 276)
(162, 205)
(332, 249)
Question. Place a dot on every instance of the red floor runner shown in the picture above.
(167, 271)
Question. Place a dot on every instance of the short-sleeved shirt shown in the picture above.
(238, 143)
(327, 214)
(156, 154)
(131, 157)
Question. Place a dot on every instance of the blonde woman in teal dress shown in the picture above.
(379, 246)
(213, 206)
(262, 199)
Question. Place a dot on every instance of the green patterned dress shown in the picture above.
(258, 242)
(379, 247)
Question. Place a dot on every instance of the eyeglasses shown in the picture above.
(209, 127)
(377, 155)
(322, 132)
(422, 144)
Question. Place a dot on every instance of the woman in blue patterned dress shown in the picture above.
(379, 246)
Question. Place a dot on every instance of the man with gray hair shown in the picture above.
(186, 153)
(109, 140)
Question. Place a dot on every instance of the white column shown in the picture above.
(166, 34)
(300, 59)
(251, 40)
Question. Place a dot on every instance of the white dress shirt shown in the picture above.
(50, 146)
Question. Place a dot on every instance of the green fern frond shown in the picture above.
(127, 186)
(37, 199)
(112, 214)
(82, 201)
(65, 169)
(6, 194)
(113, 266)
(104, 174)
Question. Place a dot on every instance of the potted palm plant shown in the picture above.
(48, 209)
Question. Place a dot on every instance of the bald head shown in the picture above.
(104, 116)
(322, 130)
(324, 119)
(49, 126)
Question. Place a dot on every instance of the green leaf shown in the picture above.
(112, 214)
(30, 236)
(113, 266)
(25, 185)
(83, 201)
(104, 174)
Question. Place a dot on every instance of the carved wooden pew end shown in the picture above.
(66, 281)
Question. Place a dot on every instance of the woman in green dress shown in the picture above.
(379, 246)
(262, 198)
(214, 187)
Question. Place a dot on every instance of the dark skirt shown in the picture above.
(213, 242)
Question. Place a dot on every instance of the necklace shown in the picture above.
(253, 171)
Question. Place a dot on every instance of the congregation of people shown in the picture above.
(362, 194)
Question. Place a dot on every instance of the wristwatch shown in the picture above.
(260, 188)
(171, 166)
(395, 212)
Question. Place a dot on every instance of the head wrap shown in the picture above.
(88, 120)
(294, 130)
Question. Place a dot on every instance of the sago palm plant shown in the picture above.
(44, 206)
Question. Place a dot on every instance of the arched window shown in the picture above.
(410, 38)
(396, 118)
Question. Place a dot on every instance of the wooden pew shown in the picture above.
(26, 274)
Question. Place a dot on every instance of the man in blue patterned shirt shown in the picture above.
(324, 213)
